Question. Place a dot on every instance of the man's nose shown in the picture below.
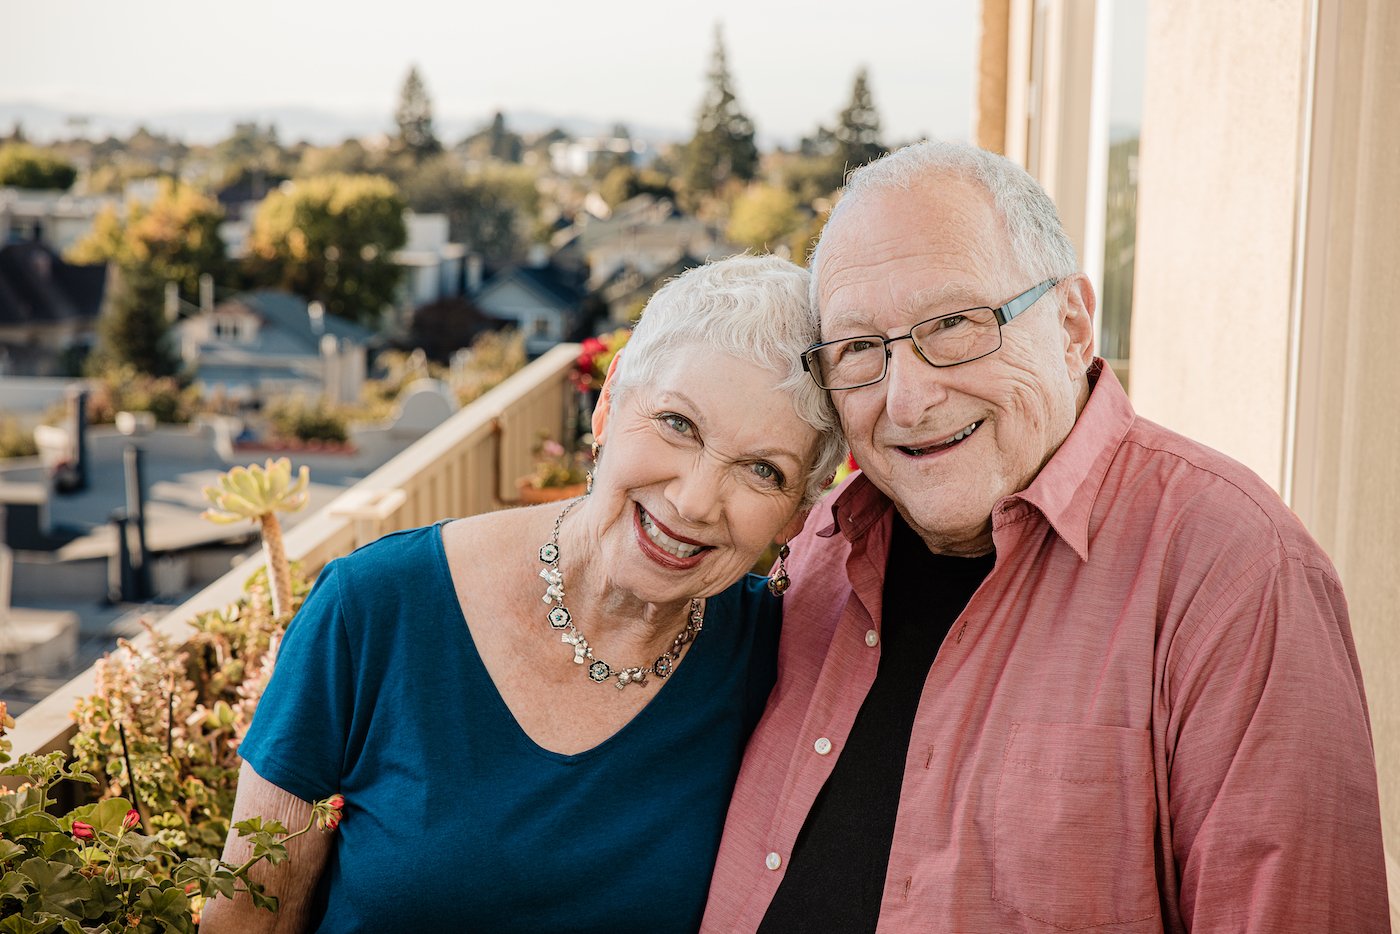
(912, 386)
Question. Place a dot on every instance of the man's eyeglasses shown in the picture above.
(947, 340)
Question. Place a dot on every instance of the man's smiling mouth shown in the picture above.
(943, 445)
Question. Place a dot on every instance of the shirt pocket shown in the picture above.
(1074, 824)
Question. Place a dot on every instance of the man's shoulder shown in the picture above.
(1203, 492)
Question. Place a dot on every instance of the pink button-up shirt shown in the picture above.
(1149, 717)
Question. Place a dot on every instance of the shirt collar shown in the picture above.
(1065, 489)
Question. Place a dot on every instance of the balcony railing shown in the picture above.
(465, 466)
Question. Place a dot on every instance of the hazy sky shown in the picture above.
(642, 62)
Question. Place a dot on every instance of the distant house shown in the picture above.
(263, 344)
(54, 218)
(629, 288)
(434, 269)
(545, 300)
(645, 233)
(47, 308)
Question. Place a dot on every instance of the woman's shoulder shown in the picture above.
(406, 559)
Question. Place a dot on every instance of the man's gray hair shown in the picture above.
(753, 308)
(1038, 240)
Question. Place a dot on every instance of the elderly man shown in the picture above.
(1046, 666)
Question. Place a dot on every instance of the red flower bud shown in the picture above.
(132, 819)
(83, 831)
(332, 822)
(191, 888)
(336, 801)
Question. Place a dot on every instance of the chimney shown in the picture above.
(473, 273)
(206, 292)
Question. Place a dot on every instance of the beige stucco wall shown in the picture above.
(1217, 166)
(1347, 480)
(1253, 197)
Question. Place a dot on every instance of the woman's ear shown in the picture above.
(600, 411)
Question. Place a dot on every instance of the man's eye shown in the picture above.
(950, 322)
(857, 346)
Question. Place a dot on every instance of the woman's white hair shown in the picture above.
(753, 308)
(1038, 240)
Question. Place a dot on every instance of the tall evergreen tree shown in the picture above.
(723, 145)
(414, 115)
(857, 132)
(133, 329)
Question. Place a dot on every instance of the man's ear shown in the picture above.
(1077, 319)
(600, 411)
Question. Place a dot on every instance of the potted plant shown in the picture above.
(559, 474)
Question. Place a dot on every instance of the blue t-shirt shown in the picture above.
(455, 820)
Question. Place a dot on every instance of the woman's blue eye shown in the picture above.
(677, 423)
(768, 472)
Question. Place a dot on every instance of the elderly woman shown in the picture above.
(536, 716)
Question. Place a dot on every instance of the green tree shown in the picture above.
(762, 217)
(24, 166)
(857, 133)
(173, 239)
(624, 182)
(414, 117)
(133, 330)
(490, 209)
(723, 145)
(331, 239)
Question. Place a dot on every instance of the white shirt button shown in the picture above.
(872, 638)
(773, 861)
(822, 746)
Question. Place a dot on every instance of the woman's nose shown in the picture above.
(696, 493)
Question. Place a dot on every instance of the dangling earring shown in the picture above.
(778, 579)
(588, 476)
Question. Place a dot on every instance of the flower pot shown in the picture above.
(530, 494)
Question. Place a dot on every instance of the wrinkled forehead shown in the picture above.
(937, 247)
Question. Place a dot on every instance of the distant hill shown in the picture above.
(42, 122)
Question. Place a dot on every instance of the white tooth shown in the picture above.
(666, 542)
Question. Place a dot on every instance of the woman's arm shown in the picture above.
(292, 882)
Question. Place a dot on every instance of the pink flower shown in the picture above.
(337, 801)
(591, 345)
(332, 823)
(83, 831)
(132, 819)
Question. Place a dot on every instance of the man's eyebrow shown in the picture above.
(951, 296)
(955, 296)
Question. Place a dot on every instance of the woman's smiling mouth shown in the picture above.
(672, 545)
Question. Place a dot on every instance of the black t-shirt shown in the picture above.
(836, 874)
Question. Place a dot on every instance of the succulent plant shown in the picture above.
(257, 494)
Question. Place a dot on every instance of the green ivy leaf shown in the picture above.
(14, 924)
(15, 885)
(254, 825)
(60, 888)
(169, 907)
(9, 850)
(211, 875)
(260, 898)
(29, 824)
